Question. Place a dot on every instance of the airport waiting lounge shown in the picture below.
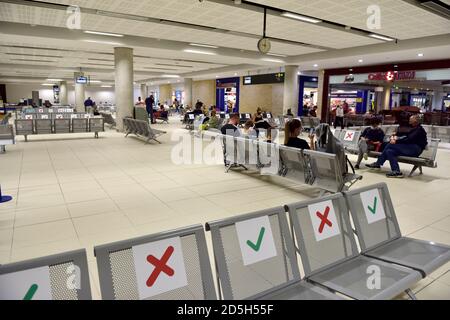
(224, 150)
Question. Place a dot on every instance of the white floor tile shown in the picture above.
(44, 233)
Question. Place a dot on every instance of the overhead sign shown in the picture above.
(256, 240)
(264, 79)
(392, 76)
(33, 284)
(373, 206)
(324, 221)
(159, 267)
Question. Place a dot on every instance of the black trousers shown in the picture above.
(339, 121)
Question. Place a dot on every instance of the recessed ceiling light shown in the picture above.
(380, 37)
(103, 42)
(203, 45)
(420, 55)
(199, 52)
(47, 84)
(95, 81)
(300, 17)
(104, 34)
(56, 80)
(360, 60)
(170, 76)
(235, 74)
(272, 60)
(106, 86)
(277, 55)
(315, 65)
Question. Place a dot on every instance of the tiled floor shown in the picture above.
(75, 192)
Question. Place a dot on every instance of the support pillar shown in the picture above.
(124, 84)
(63, 96)
(291, 90)
(80, 93)
(187, 92)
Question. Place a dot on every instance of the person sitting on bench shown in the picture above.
(291, 132)
(411, 145)
(371, 139)
(231, 128)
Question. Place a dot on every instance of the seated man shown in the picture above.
(371, 139)
(411, 145)
(231, 128)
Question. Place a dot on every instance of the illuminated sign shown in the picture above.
(392, 76)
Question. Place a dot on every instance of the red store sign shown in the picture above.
(392, 76)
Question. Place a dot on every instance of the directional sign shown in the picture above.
(32, 284)
(159, 267)
(324, 221)
(256, 240)
(373, 206)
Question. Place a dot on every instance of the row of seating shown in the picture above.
(314, 168)
(255, 255)
(350, 139)
(109, 119)
(434, 132)
(49, 110)
(53, 116)
(6, 136)
(27, 127)
(141, 128)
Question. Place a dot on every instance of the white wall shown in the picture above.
(15, 92)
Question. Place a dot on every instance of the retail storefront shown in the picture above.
(423, 85)
(227, 94)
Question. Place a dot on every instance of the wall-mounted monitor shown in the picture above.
(82, 80)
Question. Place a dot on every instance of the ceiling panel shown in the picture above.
(399, 19)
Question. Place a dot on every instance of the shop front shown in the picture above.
(227, 94)
(387, 88)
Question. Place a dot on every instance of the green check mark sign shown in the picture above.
(373, 209)
(31, 292)
(257, 246)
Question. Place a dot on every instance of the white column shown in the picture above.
(80, 95)
(124, 84)
(387, 96)
(291, 88)
(63, 99)
(144, 91)
(187, 92)
(320, 103)
(437, 99)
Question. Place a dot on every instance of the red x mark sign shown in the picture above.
(324, 219)
(160, 266)
(350, 135)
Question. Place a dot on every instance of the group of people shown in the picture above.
(309, 110)
(410, 142)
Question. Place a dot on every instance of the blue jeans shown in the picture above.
(392, 151)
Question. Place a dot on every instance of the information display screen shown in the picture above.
(264, 79)
(82, 80)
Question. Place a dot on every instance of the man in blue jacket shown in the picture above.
(411, 145)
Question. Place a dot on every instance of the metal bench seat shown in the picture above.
(330, 255)
(141, 128)
(381, 238)
(350, 278)
(6, 136)
(62, 276)
(125, 268)
(246, 274)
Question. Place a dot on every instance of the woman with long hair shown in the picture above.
(292, 130)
